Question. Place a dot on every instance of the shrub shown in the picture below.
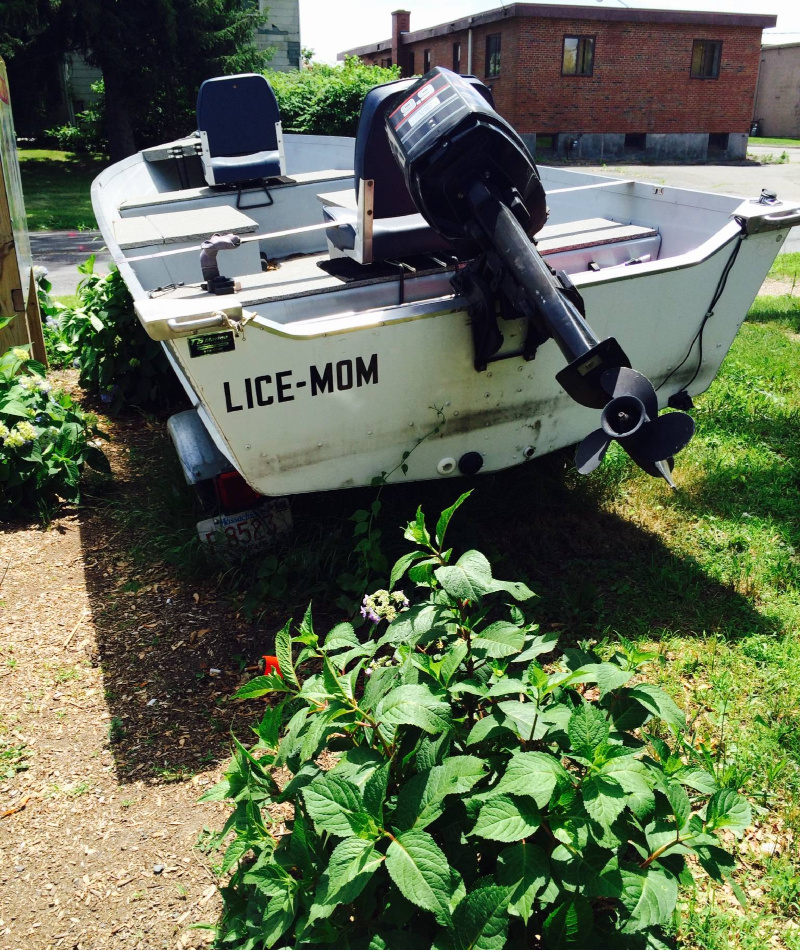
(88, 133)
(103, 337)
(326, 100)
(44, 438)
(441, 786)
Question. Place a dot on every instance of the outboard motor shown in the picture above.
(475, 182)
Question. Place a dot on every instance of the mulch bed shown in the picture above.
(114, 679)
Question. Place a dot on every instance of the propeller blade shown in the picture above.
(591, 451)
(622, 381)
(661, 469)
(663, 437)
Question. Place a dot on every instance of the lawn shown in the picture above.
(56, 186)
(758, 140)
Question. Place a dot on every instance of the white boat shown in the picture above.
(324, 369)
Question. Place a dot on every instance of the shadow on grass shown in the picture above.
(173, 648)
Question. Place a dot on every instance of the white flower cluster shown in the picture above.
(30, 383)
(21, 433)
(383, 606)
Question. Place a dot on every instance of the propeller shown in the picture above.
(631, 418)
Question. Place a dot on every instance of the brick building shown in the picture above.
(601, 83)
(777, 108)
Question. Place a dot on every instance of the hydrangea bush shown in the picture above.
(45, 438)
(459, 782)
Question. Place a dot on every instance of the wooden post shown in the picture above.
(18, 297)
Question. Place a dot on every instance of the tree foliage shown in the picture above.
(326, 100)
(153, 54)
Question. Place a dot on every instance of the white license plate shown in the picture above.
(256, 527)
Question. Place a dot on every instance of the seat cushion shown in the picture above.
(391, 237)
(230, 169)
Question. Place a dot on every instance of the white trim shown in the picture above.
(281, 153)
(205, 158)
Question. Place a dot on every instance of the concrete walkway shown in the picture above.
(61, 252)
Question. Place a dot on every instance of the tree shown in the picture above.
(153, 55)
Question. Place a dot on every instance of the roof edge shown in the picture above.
(558, 11)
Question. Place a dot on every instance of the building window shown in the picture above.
(411, 63)
(635, 141)
(493, 55)
(578, 58)
(717, 141)
(706, 55)
(386, 63)
(456, 57)
(426, 60)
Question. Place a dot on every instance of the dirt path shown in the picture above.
(112, 723)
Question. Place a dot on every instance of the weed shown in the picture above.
(13, 759)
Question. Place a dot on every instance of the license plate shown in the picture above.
(255, 527)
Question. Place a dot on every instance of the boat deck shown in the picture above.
(304, 275)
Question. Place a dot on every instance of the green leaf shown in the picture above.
(715, 861)
(414, 705)
(340, 637)
(421, 800)
(375, 792)
(679, 803)
(532, 773)
(480, 921)
(236, 849)
(335, 806)
(603, 798)
(283, 651)
(536, 646)
(727, 809)
(588, 729)
(608, 676)
(569, 924)
(421, 872)
(402, 564)
(525, 869)
(261, 686)
(446, 515)
(470, 579)
(503, 818)
(657, 702)
(526, 717)
(452, 660)
(351, 865)
(416, 530)
(500, 639)
(277, 920)
(649, 897)
(696, 778)
(636, 781)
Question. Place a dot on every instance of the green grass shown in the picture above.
(786, 265)
(56, 186)
(757, 140)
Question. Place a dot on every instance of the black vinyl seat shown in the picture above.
(240, 129)
(395, 228)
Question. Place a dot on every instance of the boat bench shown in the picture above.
(596, 243)
(153, 233)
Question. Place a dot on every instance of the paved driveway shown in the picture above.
(61, 252)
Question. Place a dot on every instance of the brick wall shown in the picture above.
(641, 81)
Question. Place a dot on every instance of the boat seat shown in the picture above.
(596, 243)
(240, 130)
(385, 223)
